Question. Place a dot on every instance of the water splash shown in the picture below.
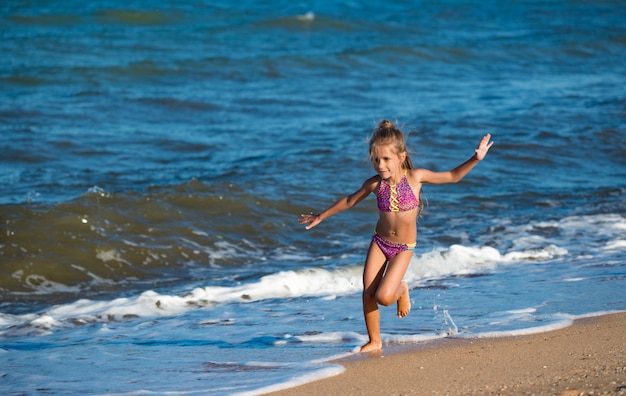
(454, 330)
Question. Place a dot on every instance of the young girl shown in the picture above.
(397, 186)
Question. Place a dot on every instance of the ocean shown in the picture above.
(156, 157)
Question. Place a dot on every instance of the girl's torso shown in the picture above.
(398, 208)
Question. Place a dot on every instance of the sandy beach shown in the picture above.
(587, 358)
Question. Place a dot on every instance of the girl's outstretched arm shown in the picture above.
(344, 203)
(456, 174)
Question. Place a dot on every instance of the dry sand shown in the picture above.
(587, 358)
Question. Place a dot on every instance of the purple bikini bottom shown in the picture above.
(390, 249)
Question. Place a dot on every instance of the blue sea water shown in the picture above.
(156, 156)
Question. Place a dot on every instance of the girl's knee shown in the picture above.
(385, 299)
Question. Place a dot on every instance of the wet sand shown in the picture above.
(587, 358)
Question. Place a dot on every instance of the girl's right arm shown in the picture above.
(344, 203)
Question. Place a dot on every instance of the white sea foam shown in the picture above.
(543, 253)
(39, 284)
(412, 338)
(330, 337)
(457, 260)
(616, 245)
(107, 255)
(309, 16)
(284, 284)
(559, 324)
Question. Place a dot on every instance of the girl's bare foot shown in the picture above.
(372, 347)
(404, 302)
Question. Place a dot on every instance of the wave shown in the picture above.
(454, 261)
(107, 242)
(305, 282)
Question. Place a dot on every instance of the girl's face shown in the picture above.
(386, 162)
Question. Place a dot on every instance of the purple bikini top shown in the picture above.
(396, 198)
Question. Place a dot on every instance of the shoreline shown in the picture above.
(586, 358)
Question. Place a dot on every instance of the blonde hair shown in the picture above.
(389, 134)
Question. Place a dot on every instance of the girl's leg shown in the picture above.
(372, 275)
(391, 288)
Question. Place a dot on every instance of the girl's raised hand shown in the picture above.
(483, 147)
(311, 219)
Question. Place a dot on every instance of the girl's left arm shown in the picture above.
(458, 173)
